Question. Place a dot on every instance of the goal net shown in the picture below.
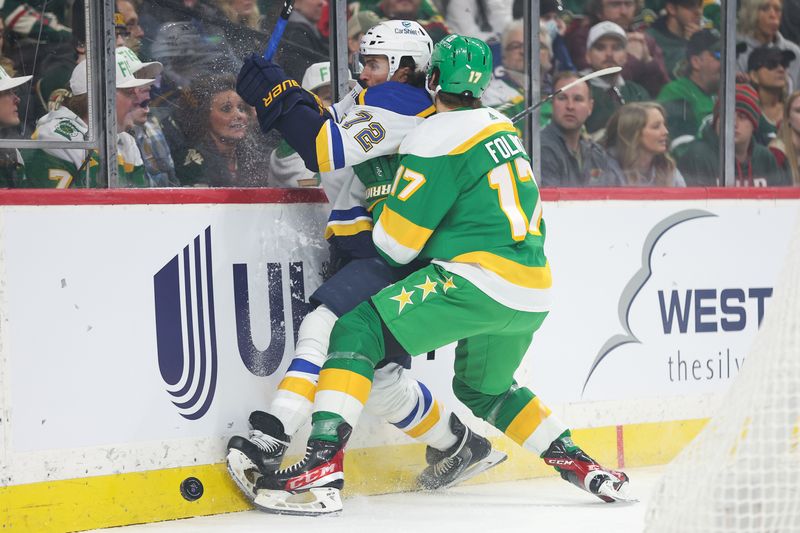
(742, 472)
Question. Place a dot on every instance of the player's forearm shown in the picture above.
(301, 128)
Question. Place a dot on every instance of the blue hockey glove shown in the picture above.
(265, 86)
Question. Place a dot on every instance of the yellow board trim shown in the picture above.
(345, 381)
(347, 230)
(527, 420)
(485, 133)
(525, 276)
(426, 423)
(403, 230)
(324, 160)
(300, 386)
(142, 497)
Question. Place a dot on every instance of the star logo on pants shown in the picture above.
(448, 284)
(404, 298)
(427, 287)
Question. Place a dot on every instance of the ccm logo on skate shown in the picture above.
(560, 462)
(186, 323)
(308, 479)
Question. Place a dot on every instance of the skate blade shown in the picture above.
(608, 493)
(243, 472)
(494, 458)
(314, 502)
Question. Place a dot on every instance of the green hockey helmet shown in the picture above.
(464, 65)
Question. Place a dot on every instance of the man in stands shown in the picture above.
(605, 48)
(673, 30)
(690, 98)
(755, 164)
(569, 159)
(645, 60)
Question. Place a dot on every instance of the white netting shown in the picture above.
(742, 472)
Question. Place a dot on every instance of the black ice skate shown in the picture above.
(310, 487)
(258, 454)
(586, 473)
(468, 457)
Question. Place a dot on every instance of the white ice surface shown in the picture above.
(539, 505)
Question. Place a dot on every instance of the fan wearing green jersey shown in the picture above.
(464, 198)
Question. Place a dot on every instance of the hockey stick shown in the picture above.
(277, 33)
(591, 75)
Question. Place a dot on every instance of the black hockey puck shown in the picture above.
(191, 489)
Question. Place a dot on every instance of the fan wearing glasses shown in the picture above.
(767, 68)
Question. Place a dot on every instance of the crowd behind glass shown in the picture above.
(181, 123)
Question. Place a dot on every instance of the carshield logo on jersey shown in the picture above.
(186, 327)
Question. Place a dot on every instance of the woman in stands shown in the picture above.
(211, 138)
(638, 139)
(758, 25)
(786, 146)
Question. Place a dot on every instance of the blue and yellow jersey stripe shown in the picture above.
(349, 222)
(329, 148)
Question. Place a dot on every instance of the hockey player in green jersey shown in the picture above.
(465, 198)
(396, 55)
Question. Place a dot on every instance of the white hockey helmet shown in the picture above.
(396, 39)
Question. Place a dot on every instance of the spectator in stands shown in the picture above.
(484, 19)
(302, 44)
(430, 19)
(786, 146)
(25, 21)
(606, 48)
(159, 168)
(358, 23)
(210, 137)
(767, 69)
(690, 98)
(569, 158)
(241, 25)
(506, 91)
(645, 61)
(755, 165)
(188, 50)
(673, 30)
(62, 168)
(638, 138)
(12, 167)
(286, 167)
(758, 23)
(550, 12)
(130, 17)
(155, 13)
(790, 20)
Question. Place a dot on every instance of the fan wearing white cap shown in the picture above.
(12, 167)
(63, 168)
(159, 167)
(605, 47)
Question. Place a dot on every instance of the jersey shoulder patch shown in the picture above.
(399, 98)
(454, 132)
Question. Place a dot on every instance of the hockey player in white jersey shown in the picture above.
(353, 145)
